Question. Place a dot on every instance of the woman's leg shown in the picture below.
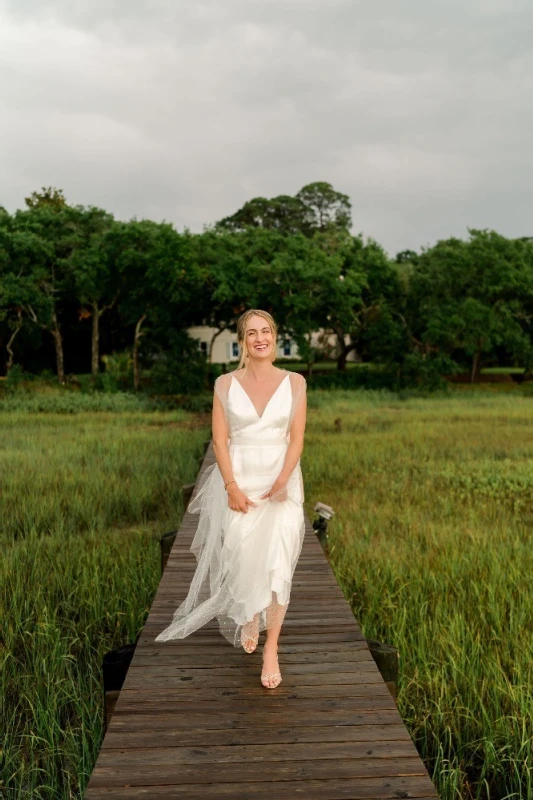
(275, 616)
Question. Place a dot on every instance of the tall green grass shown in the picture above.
(432, 543)
(84, 501)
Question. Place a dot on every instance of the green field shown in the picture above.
(431, 543)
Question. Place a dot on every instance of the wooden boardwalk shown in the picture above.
(193, 721)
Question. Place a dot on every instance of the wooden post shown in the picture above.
(186, 493)
(166, 542)
(110, 701)
(386, 657)
(321, 530)
(115, 666)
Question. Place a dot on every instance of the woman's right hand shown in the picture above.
(237, 500)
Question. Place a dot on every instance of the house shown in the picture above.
(226, 348)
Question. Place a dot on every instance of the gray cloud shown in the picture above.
(419, 111)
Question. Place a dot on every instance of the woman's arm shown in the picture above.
(237, 500)
(220, 440)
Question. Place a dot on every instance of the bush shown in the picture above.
(14, 378)
(179, 373)
(118, 373)
(426, 373)
(360, 378)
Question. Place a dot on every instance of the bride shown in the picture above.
(250, 502)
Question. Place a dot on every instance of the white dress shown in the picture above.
(246, 560)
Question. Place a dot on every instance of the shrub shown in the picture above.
(118, 373)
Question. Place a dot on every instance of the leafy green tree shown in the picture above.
(96, 283)
(284, 214)
(371, 289)
(295, 279)
(37, 243)
(12, 288)
(48, 196)
(407, 257)
(326, 208)
(473, 296)
(316, 208)
(290, 276)
(157, 280)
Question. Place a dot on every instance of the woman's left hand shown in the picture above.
(278, 491)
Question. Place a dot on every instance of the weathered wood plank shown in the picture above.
(257, 735)
(260, 754)
(318, 769)
(333, 789)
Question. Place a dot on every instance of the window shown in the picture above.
(235, 349)
(203, 348)
(287, 347)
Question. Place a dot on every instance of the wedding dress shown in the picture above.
(246, 561)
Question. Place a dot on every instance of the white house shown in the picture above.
(226, 348)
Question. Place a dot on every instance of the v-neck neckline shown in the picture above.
(269, 399)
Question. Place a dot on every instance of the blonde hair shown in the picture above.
(241, 333)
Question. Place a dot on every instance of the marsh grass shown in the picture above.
(84, 501)
(432, 545)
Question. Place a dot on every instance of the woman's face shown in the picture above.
(259, 338)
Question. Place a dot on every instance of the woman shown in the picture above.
(251, 525)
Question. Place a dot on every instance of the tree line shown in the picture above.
(75, 279)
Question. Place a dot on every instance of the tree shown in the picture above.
(473, 296)
(158, 281)
(326, 208)
(284, 214)
(38, 242)
(96, 282)
(372, 289)
(12, 289)
(296, 280)
(292, 277)
(48, 196)
(316, 208)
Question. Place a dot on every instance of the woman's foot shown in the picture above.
(250, 635)
(270, 676)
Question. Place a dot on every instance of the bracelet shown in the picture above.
(228, 482)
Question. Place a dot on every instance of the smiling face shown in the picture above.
(259, 338)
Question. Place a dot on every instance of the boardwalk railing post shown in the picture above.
(320, 524)
(166, 542)
(115, 666)
(386, 657)
(186, 493)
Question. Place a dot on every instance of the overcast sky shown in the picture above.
(420, 110)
